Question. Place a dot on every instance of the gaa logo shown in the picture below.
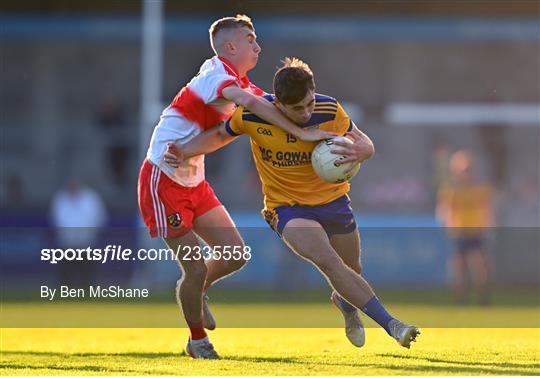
(264, 131)
(175, 220)
(271, 218)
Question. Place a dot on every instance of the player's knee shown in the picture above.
(239, 244)
(236, 261)
(234, 265)
(231, 265)
(196, 272)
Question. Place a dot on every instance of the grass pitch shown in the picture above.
(249, 348)
(319, 314)
(268, 352)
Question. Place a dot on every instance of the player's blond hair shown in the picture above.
(240, 20)
(293, 81)
(295, 63)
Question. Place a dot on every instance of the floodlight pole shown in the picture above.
(150, 99)
(151, 71)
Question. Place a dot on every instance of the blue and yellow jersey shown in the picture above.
(284, 162)
(469, 205)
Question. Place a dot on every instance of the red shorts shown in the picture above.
(168, 209)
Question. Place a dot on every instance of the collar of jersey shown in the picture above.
(231, 69)
(311, 122)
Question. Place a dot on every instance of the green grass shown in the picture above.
(257, 315)
(454, 340)
(268, 352)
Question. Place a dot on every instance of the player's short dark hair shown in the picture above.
(293, 81)
(240, 20)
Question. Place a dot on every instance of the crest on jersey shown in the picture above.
(271, 218)
(175, 220)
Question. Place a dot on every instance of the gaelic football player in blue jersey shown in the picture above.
(313, 217)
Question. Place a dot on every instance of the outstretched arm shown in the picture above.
(270, 113)
(204, 143)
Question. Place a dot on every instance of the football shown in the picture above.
(325, 163)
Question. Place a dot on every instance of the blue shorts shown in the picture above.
(335, 217)
(466, 243)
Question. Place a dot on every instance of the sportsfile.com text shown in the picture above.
(118, 253)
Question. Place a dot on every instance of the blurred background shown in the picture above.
(82, 91)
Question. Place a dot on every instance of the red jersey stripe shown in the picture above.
(193, 108)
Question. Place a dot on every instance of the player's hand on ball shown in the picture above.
(357, 152)
(173, 155)
(315, 134)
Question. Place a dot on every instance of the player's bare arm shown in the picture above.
(442, 211)
(270, 113)
(204, 143)
(360, 150)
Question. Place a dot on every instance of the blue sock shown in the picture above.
(378, 313)
(344, 305)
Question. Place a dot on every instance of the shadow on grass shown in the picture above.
(492, 367)
(456, 367)
(147, 355)
(89, 368)
(464, 369)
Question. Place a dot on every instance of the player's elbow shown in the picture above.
(222, 134)
(248, 101)
(371, 150)
(368, 150)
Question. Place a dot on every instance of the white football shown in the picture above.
(325, 163)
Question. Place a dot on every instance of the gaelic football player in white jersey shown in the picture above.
(177, 203)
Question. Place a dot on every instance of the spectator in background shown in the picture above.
(77, 213)
(465, 208)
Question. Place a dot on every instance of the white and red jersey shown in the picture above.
(197, 107)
